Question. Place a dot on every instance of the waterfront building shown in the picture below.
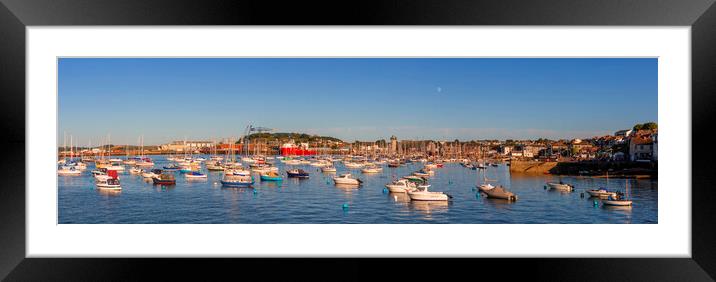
(640, 148)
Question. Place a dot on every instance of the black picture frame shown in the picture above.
(15, 15)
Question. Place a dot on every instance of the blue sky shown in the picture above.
(353, 99)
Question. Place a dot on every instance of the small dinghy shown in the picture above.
(422, 194)
(299, 173)
(500, 192)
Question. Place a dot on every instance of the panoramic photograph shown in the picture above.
(357, 141)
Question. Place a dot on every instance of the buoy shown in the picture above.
(449, 182)
(545, 187)
(385, 190)
(581, 195)
(596, 203)
(345, 206)
(477, 195)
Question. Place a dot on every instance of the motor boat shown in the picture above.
(233, 180)
(422, 173)
(401, 186)
(271, 176)
(346, 179)
(422, 194)
(560, 186)
(500, 192)
(602, 193)
(297, 173)
(216, 166)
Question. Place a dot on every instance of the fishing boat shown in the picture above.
(164, 179)
(347, 179)
(500, 192)
(617, 201)
(195, 175)
(271, 176)
(561, 186)
(297, 173)
(401, 186)
(231, 180)
(422, 194)
(328, 169)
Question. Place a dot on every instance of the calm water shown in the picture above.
(318, 200)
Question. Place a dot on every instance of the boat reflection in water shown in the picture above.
(430, 207)
(110, 193)
(400, 197)
(347, 187)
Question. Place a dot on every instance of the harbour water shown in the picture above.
(318, 200)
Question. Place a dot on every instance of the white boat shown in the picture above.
(115, 167)
(401, 186)
(328, 169)
(421, 174)
(115, 160)
(346, 179)
(135, 170)
(320, 164)
(109, 184)
(68, 170)
(602, 193)
(485, 187)
(560, 186)
(353, 165)
(422, 194)
(616, 201)
(149, 174)
(372, 169)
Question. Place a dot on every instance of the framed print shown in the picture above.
(398, 131)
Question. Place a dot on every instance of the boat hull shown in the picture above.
(270, 178)
(428, 196)
(164, 182)
(236, 184)
(619, 203)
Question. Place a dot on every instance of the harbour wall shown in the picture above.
(596, 169)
